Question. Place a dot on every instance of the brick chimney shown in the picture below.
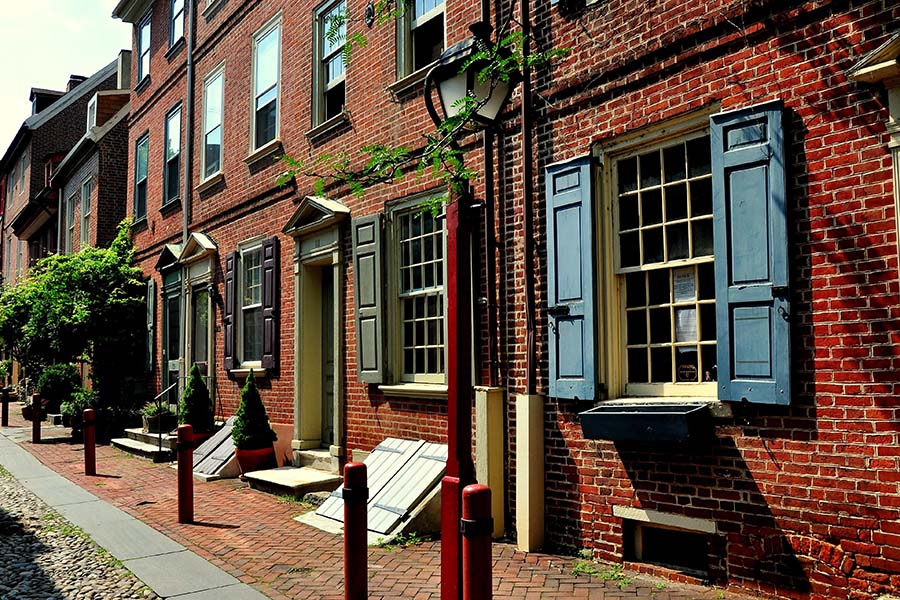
(74, 82)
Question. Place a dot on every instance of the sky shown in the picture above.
(62, 37)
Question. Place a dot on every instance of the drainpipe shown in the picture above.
(489, 241)
(188, 178)
(528, 192)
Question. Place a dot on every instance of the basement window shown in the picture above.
(686, 551)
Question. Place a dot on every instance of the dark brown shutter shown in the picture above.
(228, 314)
(270, 303)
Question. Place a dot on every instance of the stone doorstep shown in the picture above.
(319, 459)
(168, 440)
(293, 481)
(143, 449)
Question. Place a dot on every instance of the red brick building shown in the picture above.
(692, 228)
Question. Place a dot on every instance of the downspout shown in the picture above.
(188, 178)
(489, 240)
(528, 192)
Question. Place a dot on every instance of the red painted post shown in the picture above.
(460, 468)
(36, 418)
(356, 495)
(185, 474)
(4, 415)
(476, 526)
(90, 443)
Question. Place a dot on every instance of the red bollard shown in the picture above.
(476, 527)
(356, 495)
(185, 474)
(90, 443)
(36, 418)
(4, 412)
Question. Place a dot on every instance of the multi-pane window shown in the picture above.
(173, 156)
(332, 32)
(176, 21)
(70, 223)
(212, 123)
(85, 212)
(422, 34)
(251, 304)
(92, 113)
(665, 265)
(143, 47)
(140, 177)
(266, 73)
(421, 293)
(23, 164)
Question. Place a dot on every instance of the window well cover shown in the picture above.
(400, 473)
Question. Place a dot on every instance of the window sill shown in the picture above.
(263, 151)
(143, 84)
(716, 407)
(243, 371)
(335, 122)
(139, 224)
(415, 390)
(212, 8)
(210, 182)
(170, 207)
(408, 84)
(174, 49)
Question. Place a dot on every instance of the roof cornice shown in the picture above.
(131, 11)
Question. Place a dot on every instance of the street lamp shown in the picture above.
(456, 77)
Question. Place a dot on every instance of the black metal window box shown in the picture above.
(647, 422)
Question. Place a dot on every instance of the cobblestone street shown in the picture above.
(44, 557)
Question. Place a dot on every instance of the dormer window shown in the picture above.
(92, 113)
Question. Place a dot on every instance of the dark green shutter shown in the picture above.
(753, 308)
(270, 303)
(151, 323)
(369, 305)
(570, 281)
(229, 332)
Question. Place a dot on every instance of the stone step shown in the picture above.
(293, 481)
(320, 459)
(143, 449)
(139, 435)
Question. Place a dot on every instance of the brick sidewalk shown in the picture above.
(253, 536)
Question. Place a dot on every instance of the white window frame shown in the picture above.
(173, 17)
(611, 326)
(251, 246)
(321, 86)
(408, 23)
(272, 25)
(175, 110)
(218, 72)
(143, 139)
(396, 335)
(70, 222)
(142, 72)
(86, 190)
(92, 112)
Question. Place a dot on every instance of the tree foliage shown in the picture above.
(88, 305)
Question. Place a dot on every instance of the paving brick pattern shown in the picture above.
(253, 536)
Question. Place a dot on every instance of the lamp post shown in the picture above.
(453, 85)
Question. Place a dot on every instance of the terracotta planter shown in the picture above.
(199, 438)
(256, 460)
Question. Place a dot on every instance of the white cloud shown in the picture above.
(42, 42)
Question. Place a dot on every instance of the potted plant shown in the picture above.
(56, 384)
(195, 408)
(73, 410)
(251, 433)
(158, 418)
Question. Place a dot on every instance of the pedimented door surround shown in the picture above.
(315, 227)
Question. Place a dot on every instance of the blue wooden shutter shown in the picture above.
(570, 280)
(368, 296)
(151, 323)
(270, 303)
(750, 227)
(228, 326)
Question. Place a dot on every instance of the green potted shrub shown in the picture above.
(56, 385)
(251, 433)
(195, 409)
(73, 410)
(158, 418)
